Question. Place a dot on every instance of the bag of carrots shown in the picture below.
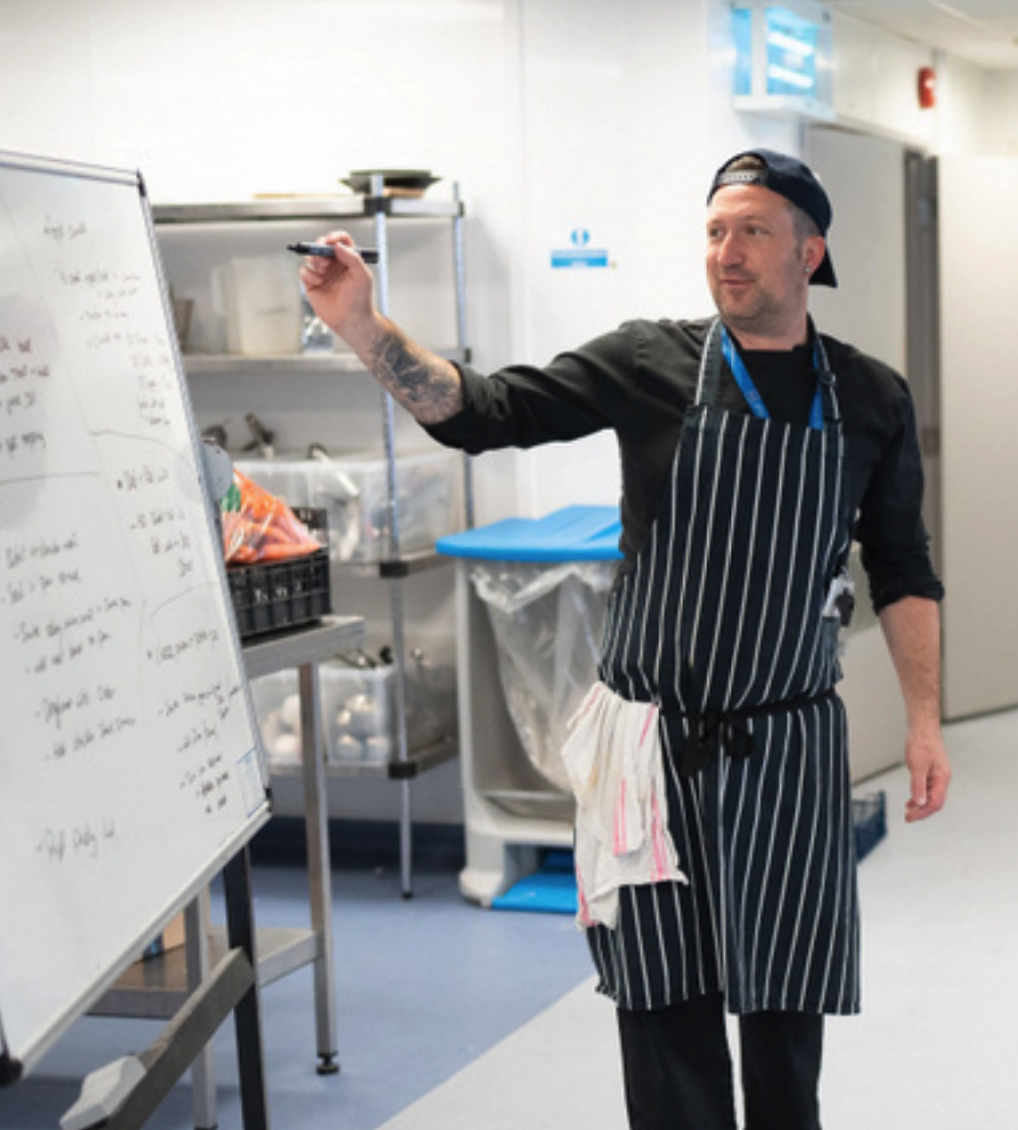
(259, 528)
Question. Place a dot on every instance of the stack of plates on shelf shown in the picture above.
(395, 182)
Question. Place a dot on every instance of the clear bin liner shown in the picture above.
(547, 620)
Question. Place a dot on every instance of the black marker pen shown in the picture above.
(325, 251)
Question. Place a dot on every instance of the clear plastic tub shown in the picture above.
(358, 710)
(354, 491)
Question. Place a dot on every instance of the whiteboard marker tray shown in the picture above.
(156, 987)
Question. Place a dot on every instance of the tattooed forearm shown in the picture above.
(429, 387)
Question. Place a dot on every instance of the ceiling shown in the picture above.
(984, 32)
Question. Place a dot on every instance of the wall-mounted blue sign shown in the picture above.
(580, 253)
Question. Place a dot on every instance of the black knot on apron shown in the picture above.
(714, 732)
(708, 735)
(709, 732)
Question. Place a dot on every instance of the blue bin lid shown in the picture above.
(574, 533)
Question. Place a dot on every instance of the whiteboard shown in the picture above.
(130, 764)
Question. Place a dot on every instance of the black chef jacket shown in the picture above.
(639, 380)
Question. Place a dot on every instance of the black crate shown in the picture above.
(283, 594)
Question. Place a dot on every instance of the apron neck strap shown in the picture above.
(709, 380)
(719, 346)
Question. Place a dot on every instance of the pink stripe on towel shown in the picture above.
(621, 836)
(658, 839)
(589, 702)
(651, 717)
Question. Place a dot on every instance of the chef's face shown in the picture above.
(758, 266)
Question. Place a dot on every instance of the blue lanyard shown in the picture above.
(749, 390)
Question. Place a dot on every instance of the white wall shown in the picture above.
(876, 82)
(968, 121)
(1002, 127)
(626, 114)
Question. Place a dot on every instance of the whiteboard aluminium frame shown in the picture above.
(14, 1065)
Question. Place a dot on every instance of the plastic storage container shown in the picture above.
(353, 490)
(258, 300)
(544, 583)
(358, 705)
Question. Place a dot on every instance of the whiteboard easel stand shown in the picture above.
(157, 987)
(105, 433)
(232, 986)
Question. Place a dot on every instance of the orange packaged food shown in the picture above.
(259, 528)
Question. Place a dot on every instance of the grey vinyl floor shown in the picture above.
(934, 1048)
(451, 1016)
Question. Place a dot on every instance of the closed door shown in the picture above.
(978, 238)
(865, 179)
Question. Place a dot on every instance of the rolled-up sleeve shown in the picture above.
(578, 393)
(890, 529)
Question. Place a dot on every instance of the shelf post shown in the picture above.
(460, 273)
(319, 867)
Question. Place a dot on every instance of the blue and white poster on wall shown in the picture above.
(580, 251)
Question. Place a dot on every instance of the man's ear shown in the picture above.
(813, 251)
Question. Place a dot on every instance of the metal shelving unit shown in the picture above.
(395, 567)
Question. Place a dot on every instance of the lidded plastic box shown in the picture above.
(358, 704)
(353, 489)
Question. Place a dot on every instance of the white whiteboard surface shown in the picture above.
(130, 765)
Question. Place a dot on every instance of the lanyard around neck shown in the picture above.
(750, 392)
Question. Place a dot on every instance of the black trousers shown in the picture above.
(677, 1068)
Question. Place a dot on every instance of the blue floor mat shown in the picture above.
(552, 890)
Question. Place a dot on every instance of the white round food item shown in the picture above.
(376, 749)
(365, 716)
(272, 727)
(348, 749)
(287, 747)
(289, 712)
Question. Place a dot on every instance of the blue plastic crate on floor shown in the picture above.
(869, 814)
(552, 890)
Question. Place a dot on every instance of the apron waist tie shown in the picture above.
(715, 730)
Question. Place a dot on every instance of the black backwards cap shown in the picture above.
(791, 179)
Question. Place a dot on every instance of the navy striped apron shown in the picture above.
(721, 623)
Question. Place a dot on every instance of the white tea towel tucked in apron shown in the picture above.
(613, 758)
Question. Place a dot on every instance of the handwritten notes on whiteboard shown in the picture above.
(128, 754)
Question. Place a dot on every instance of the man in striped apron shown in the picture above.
(714, 840)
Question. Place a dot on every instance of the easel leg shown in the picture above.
(230, 984)
(247, 1014)
(203, 1071)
